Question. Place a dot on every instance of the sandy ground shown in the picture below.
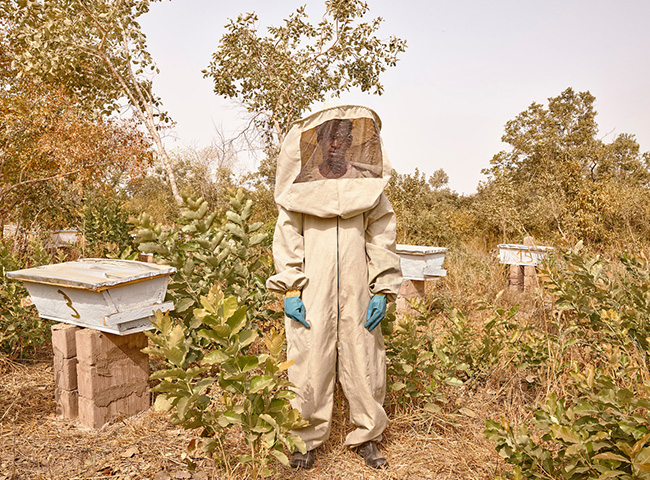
(35, 444)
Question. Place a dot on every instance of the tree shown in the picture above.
(50, 154)
(279, 76)
(425, 208)
(558, 176)
(94, 50)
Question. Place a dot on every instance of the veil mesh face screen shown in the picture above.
(340, 148)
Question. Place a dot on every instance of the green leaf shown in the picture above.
(641, 463)
(247, 337)
(229, 307)
(169, 373)
(163, 403)
(247, 362)
(215, 357)
(232, 417)
(611, 456)
(282, 458)
(397, 386)
(610, 474)
(261, 382)
(183, 304)
(237, 321)
(565, 433)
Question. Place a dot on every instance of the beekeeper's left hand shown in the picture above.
(376, 311)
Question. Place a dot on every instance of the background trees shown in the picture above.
(560, 180)
(52, 155)
(279, 76)
(96, 52)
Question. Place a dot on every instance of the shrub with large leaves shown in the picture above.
(604, 432)
(252, 393)
(208, 250)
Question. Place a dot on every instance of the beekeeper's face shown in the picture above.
(335, 138)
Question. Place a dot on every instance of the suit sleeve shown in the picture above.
(288, 253)
(384, 272)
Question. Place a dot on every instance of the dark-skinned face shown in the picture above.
(336, 145)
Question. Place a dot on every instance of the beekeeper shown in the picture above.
(334, 252)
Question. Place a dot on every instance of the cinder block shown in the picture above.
(67, 403)
(516, 280)
(99, 348)
(410, 289)
(530, 278)
(94, 416)
(65, 372)
(104, 385)
(64, 339)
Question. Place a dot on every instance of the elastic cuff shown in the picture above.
(292, 293)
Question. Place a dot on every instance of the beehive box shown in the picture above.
(114, 296)
(64, 238)
(523, 254)
(420, 262)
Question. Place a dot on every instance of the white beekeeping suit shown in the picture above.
(334, 245)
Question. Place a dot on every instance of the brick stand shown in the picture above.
(99, 376)
(410, 290)
(65, 369)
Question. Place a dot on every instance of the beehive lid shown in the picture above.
(92, 273)
(534, 248)
(419, 249)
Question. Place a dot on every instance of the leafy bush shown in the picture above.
(586, 290)
(601, 433)
(105, 227)
(212, 381)
(208, 250)
(252, 394)
(597, 425)
(21, 330)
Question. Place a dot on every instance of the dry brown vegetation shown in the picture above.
(35, 444)
(419, 444)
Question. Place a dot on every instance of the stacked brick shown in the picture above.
(410, 290)
(112, 374)
(65, 369)
(99, 376)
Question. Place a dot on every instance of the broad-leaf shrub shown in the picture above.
(229, 387)
(105, 227)
(212, 381)
(21, 329)
(586, 290)
(604, 432)
(206, 250)
(597, 425)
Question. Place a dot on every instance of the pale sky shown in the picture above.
(470, 66)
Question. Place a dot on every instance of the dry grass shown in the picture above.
(34, 444)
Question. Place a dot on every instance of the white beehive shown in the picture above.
(63, 238)
(421, 263)
(522, 254)
(114, 296)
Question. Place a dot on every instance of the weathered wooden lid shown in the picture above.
(419, 249)
(525, 247)
(92, 273)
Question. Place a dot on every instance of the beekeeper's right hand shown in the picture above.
(294, 308)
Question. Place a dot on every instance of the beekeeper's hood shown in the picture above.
(333, 163)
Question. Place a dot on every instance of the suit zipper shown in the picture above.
(338, 281)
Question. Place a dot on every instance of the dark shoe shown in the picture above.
(302, 460)
(371, 454)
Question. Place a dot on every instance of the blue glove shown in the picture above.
(295, 310)
(376, 311)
